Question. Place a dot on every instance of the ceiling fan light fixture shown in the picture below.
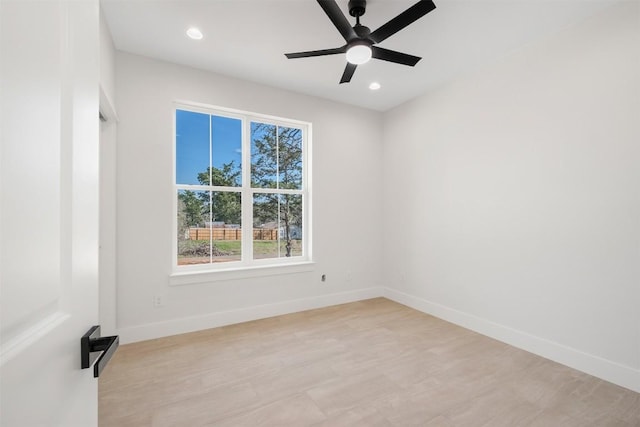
(359, 54)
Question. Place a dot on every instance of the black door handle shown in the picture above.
(93, 346)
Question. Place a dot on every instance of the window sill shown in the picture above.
(195, 277)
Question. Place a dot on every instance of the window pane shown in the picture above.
(226, 233)
(192, 148)
(277, 225)
(264, 156)
(226, 151)
(290, 225)
(290, 158)
(265, 226)
(193, 231)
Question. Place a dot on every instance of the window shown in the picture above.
(241, 190)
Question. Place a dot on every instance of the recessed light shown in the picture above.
(374, 86)
(194, 33)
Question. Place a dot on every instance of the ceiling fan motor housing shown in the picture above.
(362, 31)
(357, 7)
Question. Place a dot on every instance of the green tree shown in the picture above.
(228, 176)
(191, 213)
(191, 209)
(225, 205)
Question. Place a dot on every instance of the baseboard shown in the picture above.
(593, 365)
(214, 320)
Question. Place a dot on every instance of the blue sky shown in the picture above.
(192, 143)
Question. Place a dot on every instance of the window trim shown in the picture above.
(195, 277)
(254, 267)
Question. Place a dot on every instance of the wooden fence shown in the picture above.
(231, 234)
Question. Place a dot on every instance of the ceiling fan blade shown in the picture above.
(336, 16)
(393, 56)
(348, 72)
(311, 53)
(406, 18)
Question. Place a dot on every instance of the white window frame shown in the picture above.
(247, 266)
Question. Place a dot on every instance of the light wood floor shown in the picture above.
(370, 363)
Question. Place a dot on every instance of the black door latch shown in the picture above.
(93, 346)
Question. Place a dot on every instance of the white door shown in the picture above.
(49, 210)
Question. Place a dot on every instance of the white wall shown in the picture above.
(107, 181)
(107, 61)
(519, 190)
(346, 203)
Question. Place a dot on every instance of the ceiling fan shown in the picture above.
(360, 40)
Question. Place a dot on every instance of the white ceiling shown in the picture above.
(247, 39)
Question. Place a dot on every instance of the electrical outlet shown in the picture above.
(349, 275)
(158, 301)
